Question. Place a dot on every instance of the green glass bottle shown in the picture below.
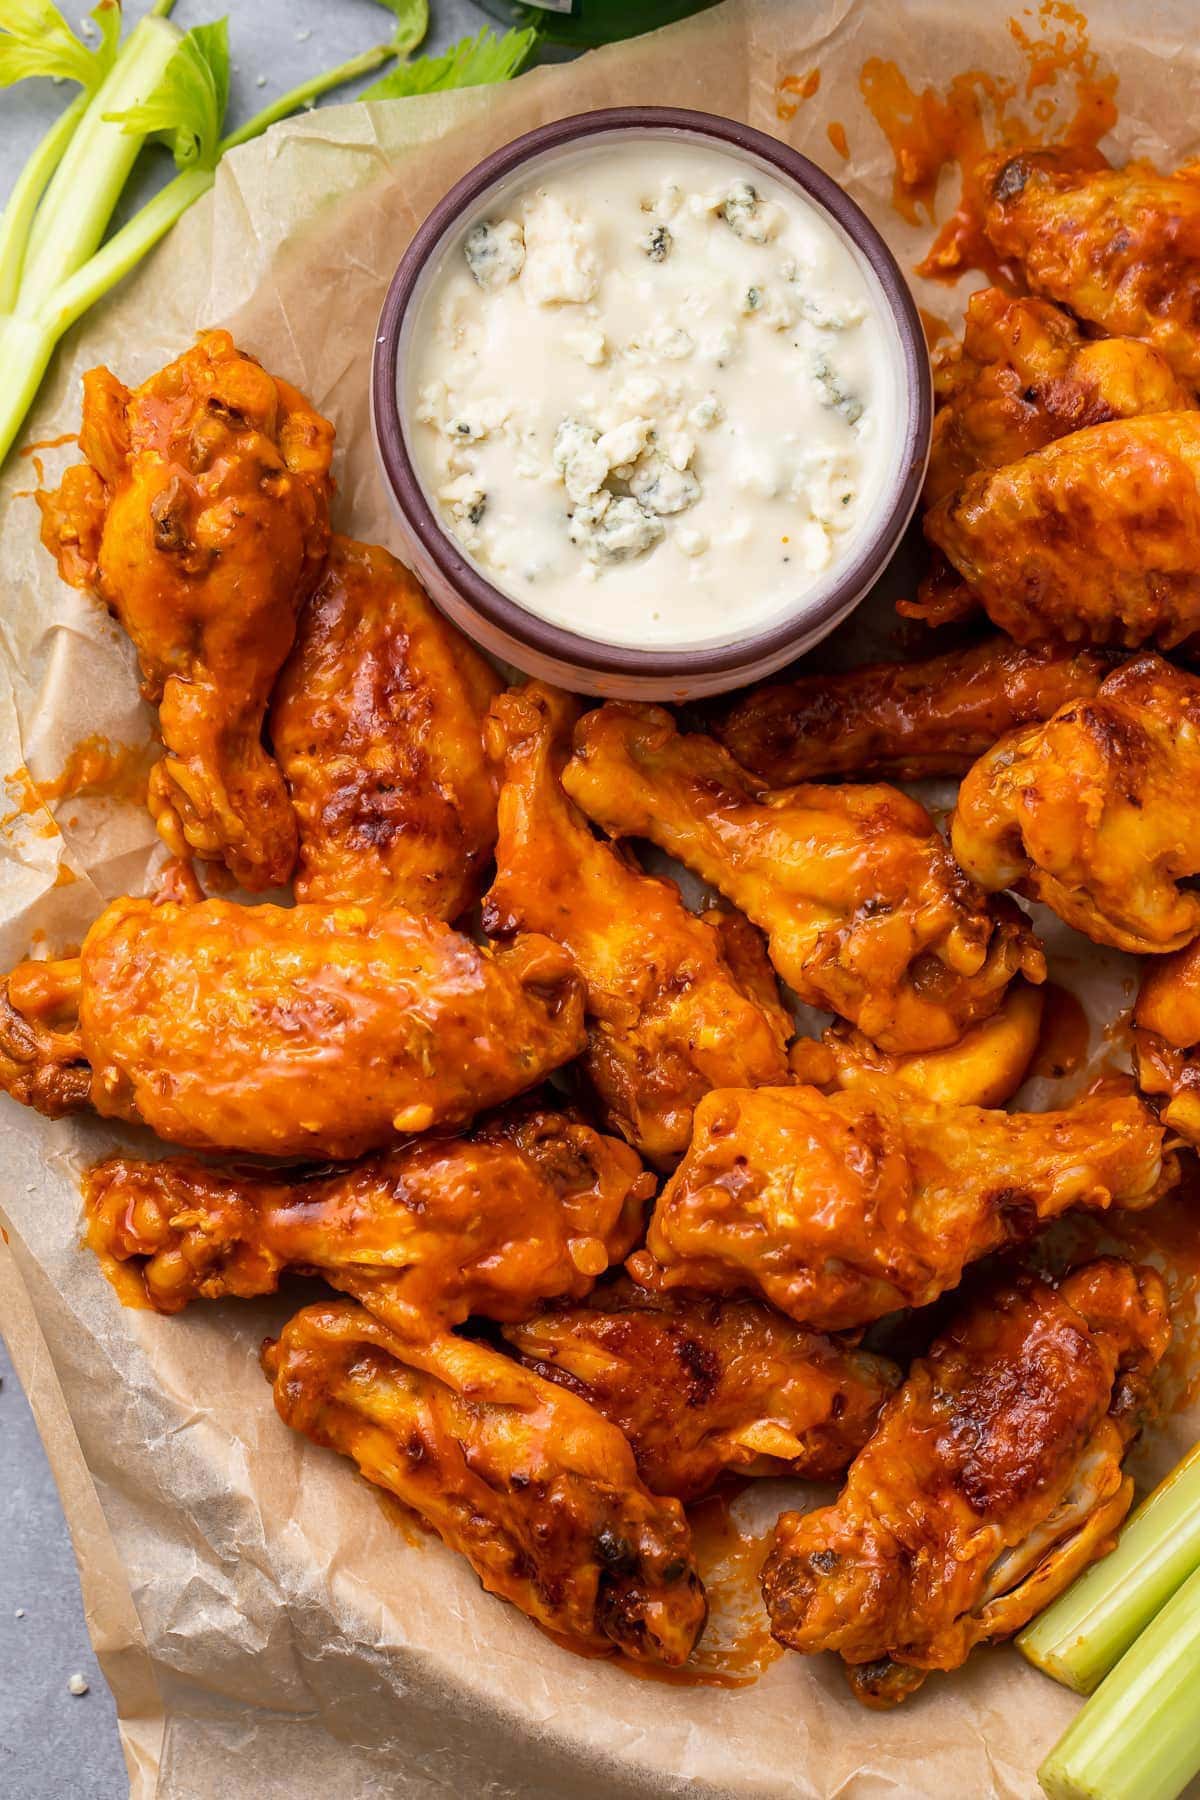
(582, 24)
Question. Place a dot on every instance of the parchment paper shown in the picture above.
(266, 1628)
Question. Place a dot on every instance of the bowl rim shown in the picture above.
(506, 614)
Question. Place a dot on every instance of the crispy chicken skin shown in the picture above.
(302, 1031)
(993, 1478)
(677, 1005)
(201, 518)
(1166, 1039)
(702, 1387)
(905, 720)
(530, 1484)
(532, 1206)
(377, 724)
(865, 911)
(1093, 812)
(1025, 375)
(1095, 539)
(838, 1208)
(1120, 247)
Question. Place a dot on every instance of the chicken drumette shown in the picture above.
(201, 518)
(1095, 539)
(702, 1386)
(865, 910)
(1025, 375)
(537, 1491)
(1166, 1039)
(676, 1004)
(993, 1478)
(906, 720)
(302, 1031)
(1091, 812)
(1120, 247)
(532, 1206)
(377, 723)
(839, 1208)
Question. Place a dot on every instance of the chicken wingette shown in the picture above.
(1094, 540)
(1093, 812)
(201, 519)
(533, 1205)
(377, 724)
(1025, 375)
(676, 1004)
(993, 1478)
(866, 912)
(839, 1208)
(528, 1482)
(1166, 1039)
(285, 1031)
(904, 720)
(1119, 247)
(704, 1387)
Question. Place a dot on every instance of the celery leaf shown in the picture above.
(412, 24)
(187, 108)
(474, 62)
(35, 39)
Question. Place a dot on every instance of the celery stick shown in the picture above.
(1090, 1627)
(17, 218)
(1138, 1737)
(79, 202)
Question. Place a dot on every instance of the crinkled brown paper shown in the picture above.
(267, 1630)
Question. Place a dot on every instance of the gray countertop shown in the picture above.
(55, 1745)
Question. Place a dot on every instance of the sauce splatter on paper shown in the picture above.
(95, 769)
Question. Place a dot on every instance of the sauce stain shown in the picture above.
(802, 87)
(836, 133)
(1064, 1037)
(95, 769)
(935, 328)
(1070, 100)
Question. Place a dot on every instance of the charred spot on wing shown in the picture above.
(824, 1562)
(615, 1552)
(1010, 182)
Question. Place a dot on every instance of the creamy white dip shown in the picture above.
(653, 394)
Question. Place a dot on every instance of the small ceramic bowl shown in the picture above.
(500, 624)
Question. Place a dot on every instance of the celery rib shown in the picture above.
(1090, 1627)
(1138, 1737)
(16, 221)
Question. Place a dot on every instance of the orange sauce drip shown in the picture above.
(803, 87)
(978, 114)
(1064, 1037)
(935, 328)
(55, 443)
(95, 769)
(836, 133)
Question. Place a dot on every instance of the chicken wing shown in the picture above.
(906, 720)
(840, 1208)
(865, 911)
(285, 1031)
(676, 1005)
(1095, 539)
(201, 518)
(993, 1478)
(1092, 811)
(701, 1387)
(1025, 375)
(1120, 247)
(1166, 1039)
(533, 1487)
(532, 1206)
(377, 724)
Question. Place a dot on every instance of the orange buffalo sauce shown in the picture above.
(793, 89)
(95, 768)
(1065, 98)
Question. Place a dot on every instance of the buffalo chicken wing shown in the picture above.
(702, 1387)
(1094, 811)
(528, 1482)
(377, 724)
(1166, 1039)
(531, 1206)
(302, 1031)
(905, 720)
(677, 1005)
(1120, 247)
(201, 518)
(865, 910)
(993, 1478)
(839, 1208)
